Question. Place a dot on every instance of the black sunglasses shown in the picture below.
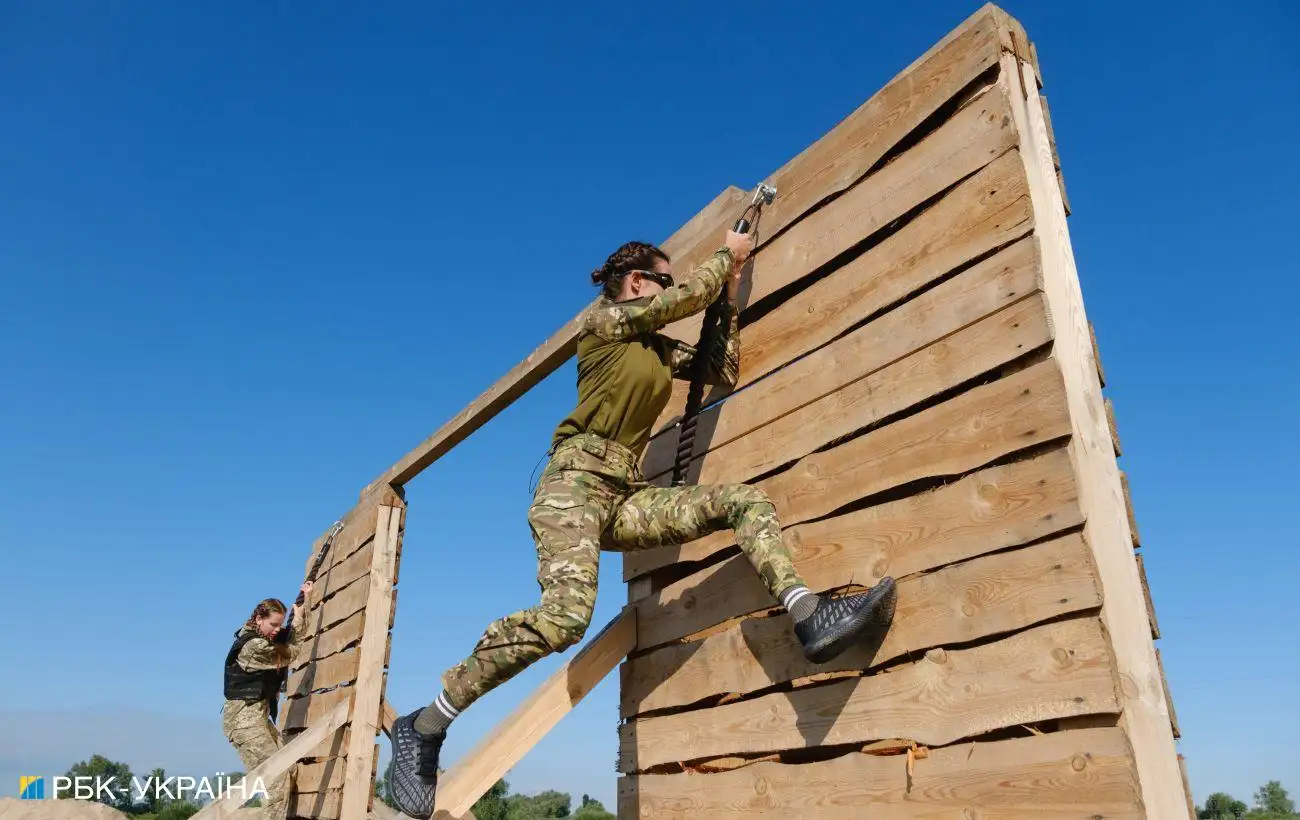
(664, 280)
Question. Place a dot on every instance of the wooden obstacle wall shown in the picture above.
(920, 396)
(344, 662)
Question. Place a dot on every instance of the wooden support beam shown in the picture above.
(704, 231)
(358, 785)
(1145, 711)
(471, 776)
(277, 764)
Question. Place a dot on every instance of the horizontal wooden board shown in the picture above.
(933, 316)
(335, 639)
(985, 212)
(331, 671)
(325, 805)
(338, 607)
(1019, 501)
(959, 603)
(1053, 671)
(299, 713)
(972, 139)
(334, 746)
(1079, 775)
(862, 139)
(358, 528)
(953, 438)
(981, 348)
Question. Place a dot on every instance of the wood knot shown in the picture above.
(1078, 763)
(936, 656)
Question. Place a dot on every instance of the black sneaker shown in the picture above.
(414, 780)
(838, 623)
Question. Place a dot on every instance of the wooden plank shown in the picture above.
(1145, 710)
(963, 602)
(1187, 786)
(854, 146)
(1146, 594)
(971, 140)
(495, 754)
(320, 776)
(1173, 714)
(1114, 428)
(950, 439)
(1096, 355)
(954, 360)
(1128, 508)
(326, 805)
(333, 640)
(302, 713)
(696, 239)
(982, 213)
(331, 671)
(1063, 776)
(1033, 497)
(931, 318)
(351, 569)
(358, 527)
(275, 765)
(335, 745)
(1056, 159)
(358, 788)
(1048, 672)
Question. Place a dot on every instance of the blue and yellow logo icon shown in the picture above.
(31, 788)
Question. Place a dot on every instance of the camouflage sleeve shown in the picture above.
(724, 363)
(259, 654)
(614, 322)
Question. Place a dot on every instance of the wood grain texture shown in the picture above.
(972, 139)
(694, 241)
(1128, 508)
(980, 214)
(471, 776)
(1053, 671)
(1146, 594)
(952, 438)
(1173, 714)
(1114, 428)
(1145, 714)
(278, 763)
(303, 713)
(335, 639)
(327, 774)
(326, 805)
(858, 142)
(932, 317)
(322, 674)
(1079, 775)
(358, 527)
(957, 359)
(367, 704)
(963, 602)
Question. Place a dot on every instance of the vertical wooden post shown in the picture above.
(1140, 686)
(367, 701)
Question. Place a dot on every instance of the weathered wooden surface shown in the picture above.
(1078, 775)
(931, 318)
(1048, 672)
(963, 602)
(1146, 716)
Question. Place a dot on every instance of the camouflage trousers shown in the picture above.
(589, 498)
(249, 729)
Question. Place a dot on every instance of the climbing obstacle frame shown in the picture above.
(921, 396)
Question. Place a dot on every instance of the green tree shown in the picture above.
(548, 804)
(177, 810)
(492, 806)
(101, 770)
(1221, 806)
(382, 789)
(591, 809)
(1273, 799)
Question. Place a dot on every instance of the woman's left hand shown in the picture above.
(306, 590)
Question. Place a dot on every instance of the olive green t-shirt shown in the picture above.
(626, 368)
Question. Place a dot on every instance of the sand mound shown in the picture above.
(11, 808)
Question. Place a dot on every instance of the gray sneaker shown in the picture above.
(414, 780)
(838, 623)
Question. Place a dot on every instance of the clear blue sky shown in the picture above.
(253, 252)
